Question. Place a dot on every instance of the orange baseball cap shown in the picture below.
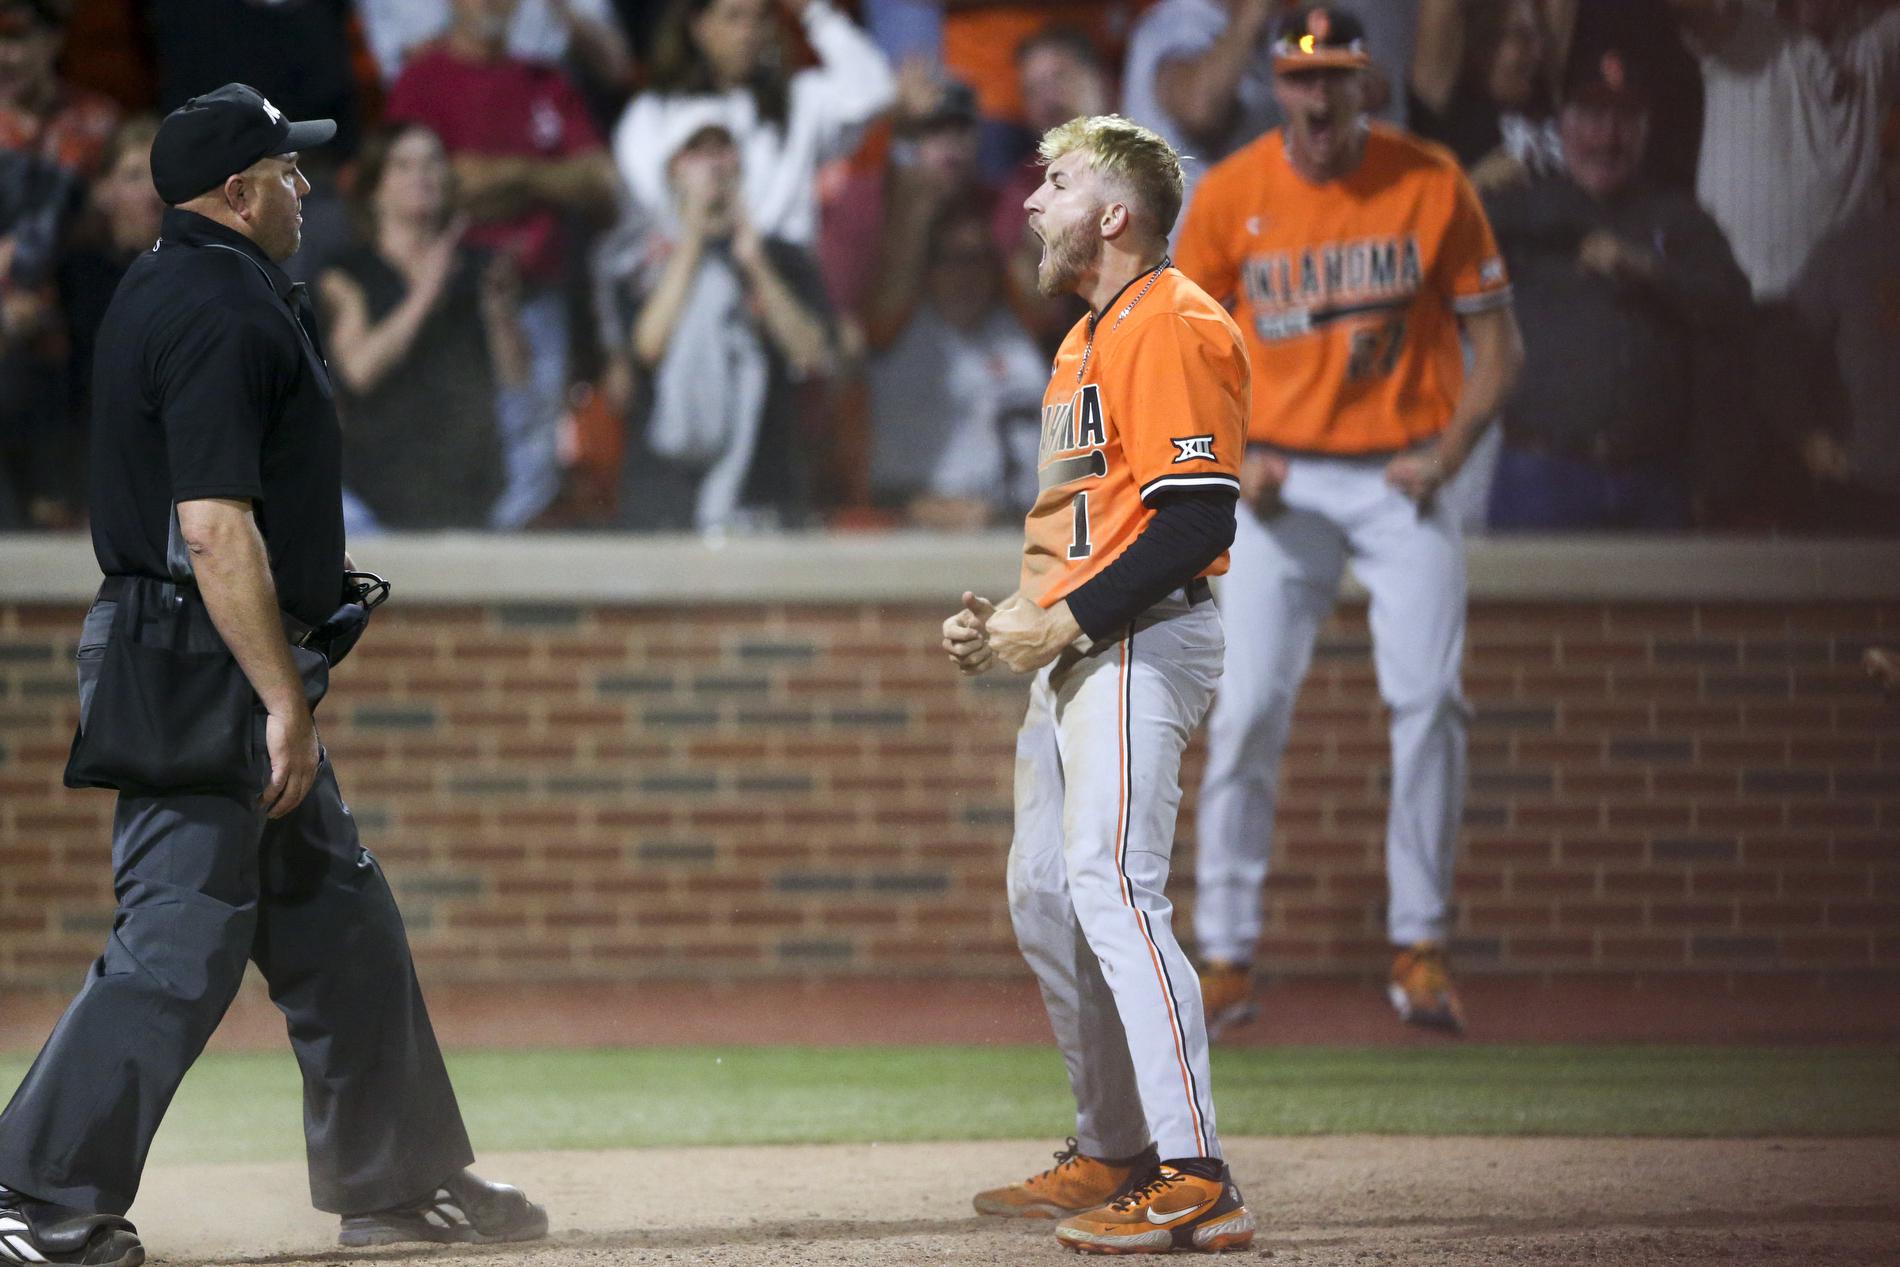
(1610, 79)
(1319, 37)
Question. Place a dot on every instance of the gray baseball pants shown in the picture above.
(1280, 586)
(1098, 784)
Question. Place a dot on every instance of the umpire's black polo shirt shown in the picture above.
(209, 382)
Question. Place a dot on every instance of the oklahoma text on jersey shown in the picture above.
(1291, 293)
(1158, 404)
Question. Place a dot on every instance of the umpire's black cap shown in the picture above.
(218, 135)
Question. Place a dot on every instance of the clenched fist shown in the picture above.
(965, 637)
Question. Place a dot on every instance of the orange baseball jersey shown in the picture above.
(1158, 402)
(1350, 291)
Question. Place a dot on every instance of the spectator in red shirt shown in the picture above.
(530, 166)
(63, 124)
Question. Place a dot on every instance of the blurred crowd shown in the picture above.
(741, 265)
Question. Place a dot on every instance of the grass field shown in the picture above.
(245, 1107)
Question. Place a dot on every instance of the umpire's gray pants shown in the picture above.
(205, 883)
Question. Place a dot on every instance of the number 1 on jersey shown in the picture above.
(1081, 547)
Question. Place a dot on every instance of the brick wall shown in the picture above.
(614, 793)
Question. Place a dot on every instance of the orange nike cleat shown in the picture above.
(1421, 990)
(1173, 1210)
(1226, 997)
(1075, 1183)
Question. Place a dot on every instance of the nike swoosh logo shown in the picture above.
(1173, 1215)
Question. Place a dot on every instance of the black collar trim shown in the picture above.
(187, 228)
(1145, 273)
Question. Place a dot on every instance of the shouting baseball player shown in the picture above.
(1353, 254)
(1142, 429)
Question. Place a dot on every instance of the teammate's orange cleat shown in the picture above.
(1075, 1183)
(1421, 989)
(1226, 997)
(1173, 1210)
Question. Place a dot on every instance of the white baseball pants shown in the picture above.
(1281, 584)
(1098, 784)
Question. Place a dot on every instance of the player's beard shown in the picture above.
(1068, 255)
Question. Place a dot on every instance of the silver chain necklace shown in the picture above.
(1089, 346)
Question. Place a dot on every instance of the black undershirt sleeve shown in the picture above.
(1189, 531)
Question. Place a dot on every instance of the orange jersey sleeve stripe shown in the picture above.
(1349, 293)
(1158, 403)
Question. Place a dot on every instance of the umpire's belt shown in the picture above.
(186, 603)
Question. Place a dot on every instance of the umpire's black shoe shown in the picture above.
(33, 1231)
(463, 1208)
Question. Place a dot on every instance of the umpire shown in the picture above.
(217, 519)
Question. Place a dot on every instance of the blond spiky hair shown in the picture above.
(1127, 153)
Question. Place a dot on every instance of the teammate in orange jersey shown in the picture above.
(1353, 255)
(1143, 426)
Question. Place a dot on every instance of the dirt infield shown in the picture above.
(1342, 1200)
